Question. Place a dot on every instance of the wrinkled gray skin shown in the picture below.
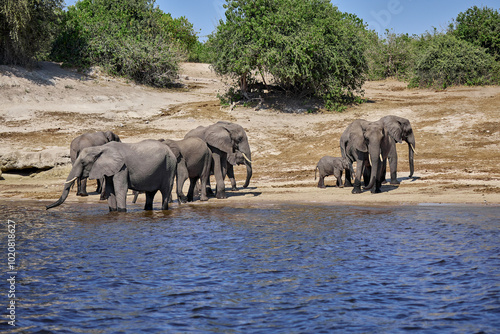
(88, 140)
(146, 166)
(193, 162)
(228, 142)
(331, 166)
(365, 142)
(399, 129)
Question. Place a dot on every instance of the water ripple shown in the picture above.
(266, 268)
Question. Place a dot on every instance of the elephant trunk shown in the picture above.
(73, 175)
(374, 155)
(249, 173)
(411, 152)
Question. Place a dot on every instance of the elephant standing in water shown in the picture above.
(367, 144)
(399, 129)
(89, 140)
(228, 143)
(193, 162)
(146, 166)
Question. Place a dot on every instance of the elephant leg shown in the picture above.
(150, 195)
(182, 176)
(220, 174)
(357, 178)
(166, 197)
(192, 185)
(339, 179)
(321, 181)
(103, 189)
(348, 177)
(110, 193)
(230, 174)
(120, 184)
(82, 187)
(393, 165)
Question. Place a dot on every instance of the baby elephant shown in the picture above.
(331, 166)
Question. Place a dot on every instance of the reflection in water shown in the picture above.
(257, 268)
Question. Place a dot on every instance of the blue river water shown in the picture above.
(253, 268)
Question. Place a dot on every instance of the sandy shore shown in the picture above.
(457, 135)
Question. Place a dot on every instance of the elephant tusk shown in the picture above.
(381, 159)
(370, 159)
(413, 149)
(246, 158)
(73, 179)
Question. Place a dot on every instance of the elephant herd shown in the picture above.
(151, 165)
(370, 145)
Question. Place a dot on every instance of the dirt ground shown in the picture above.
(457, 134)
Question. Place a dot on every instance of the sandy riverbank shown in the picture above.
(457, 134)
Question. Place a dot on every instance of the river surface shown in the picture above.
(253, 268)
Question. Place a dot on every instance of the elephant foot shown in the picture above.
(82, 194)
(341, 186)
(347, 184)
(220, 195)
(183, 199)
(356, 190)
(121, 210)
(376, 191)
(395, 182)
(203, 198)
(210, 192)
(322, 186)
(234, 188)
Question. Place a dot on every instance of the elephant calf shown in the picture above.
(331, 166)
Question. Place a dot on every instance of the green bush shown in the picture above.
(392, 56)
(481, 27)
(443, 60)
(129, 38)
(308, 46)
(27, 28)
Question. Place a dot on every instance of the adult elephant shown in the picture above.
(399, 129)
(146, 166)
(227, 141)
(367, 144)
(193, 162)
(88, 140)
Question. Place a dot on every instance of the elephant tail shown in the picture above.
(315, 171)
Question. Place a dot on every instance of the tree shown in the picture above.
(130, 38)
(481, 27)
(26, 29)
(308, 46)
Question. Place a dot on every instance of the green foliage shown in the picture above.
(443, 60)
(392, 56)
(26, 29)
(200, 53)
(308, 46)
(481, 27)
(129, 38)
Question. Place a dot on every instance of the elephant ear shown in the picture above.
(358, 142)
(107, 162)
(395, 131)
(219, 137)
(110, 136)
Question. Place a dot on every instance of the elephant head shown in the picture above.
(110, 136)
(400, 129)
(93, 163)
(232, 139)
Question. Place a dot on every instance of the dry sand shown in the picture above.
(457, 134)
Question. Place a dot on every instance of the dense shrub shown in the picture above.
(392, 56)
(481, 27)
(308, 46)
(130, 38)
(443, 60)
(27, 28)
